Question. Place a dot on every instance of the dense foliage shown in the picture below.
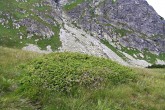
(66, 72)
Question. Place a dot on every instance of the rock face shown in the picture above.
(36, 28)
(127, 31)
(137, 14)
(136, 23)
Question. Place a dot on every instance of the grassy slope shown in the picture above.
(9, 60)
(147, 93)
(10, 36)
(148, 56)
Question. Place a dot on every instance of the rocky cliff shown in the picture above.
(127, 31)
(133, 22)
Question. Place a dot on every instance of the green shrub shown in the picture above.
(156, 66)
(4, 84)
(66, 72)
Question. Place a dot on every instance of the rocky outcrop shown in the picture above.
(137, 14)
(36, 28)
(134, 22)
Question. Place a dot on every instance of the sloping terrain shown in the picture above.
(108, 37)
(24, 22)
(106, 28)
(70, 81)
(130, 26)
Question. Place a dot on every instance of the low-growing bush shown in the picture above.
(156, 66)
(66, 72)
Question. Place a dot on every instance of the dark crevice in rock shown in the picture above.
(57, 2)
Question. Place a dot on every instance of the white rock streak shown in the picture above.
(35, 48)
(77, 40)
(161, 62)
(136, 62)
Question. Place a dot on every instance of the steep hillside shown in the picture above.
(131, 26)
(73, 81)
(24, 22)
(127, 31)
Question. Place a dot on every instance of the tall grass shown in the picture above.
(9, 60)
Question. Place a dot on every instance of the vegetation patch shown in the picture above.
(156, 66)
(114, 1)
(65, 72)
(146, 55)
(122, 32)
(104, 41)
(73, 4)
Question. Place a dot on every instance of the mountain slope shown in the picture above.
(122, 23)
(119, 30)
(24, 22)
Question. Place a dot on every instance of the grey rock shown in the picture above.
(137, 17)
(34, 27)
